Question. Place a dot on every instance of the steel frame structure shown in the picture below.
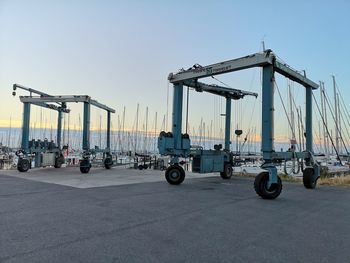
(59, 103)
(178, 145)
(267, 184)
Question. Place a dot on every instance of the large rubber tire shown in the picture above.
(84, 170)
(108, 162)
(23, 165)
(227, 173)
(59, 161)
(309, 179)
(85, 166)
(175, 174)
(260, 186)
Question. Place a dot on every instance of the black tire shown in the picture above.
(260, 186)
(140, 167)
(175, 174)
(84, 170)
(85, 166)
(309, 178)
(227, 173)
(108, 162)
(59, 161)
(23, 165)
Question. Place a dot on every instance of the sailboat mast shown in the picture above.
(320, 134)
(123, 131)
(163, 124)
(146, 131)
(291, 114)
(50, 131)
(41, 134)
(167, 107)
(211, 132)
(68, 128)
(34, 131)
(339, 122)
(200, 131)
(155, 132)
(326, 121)
(119, 136)
(323, 116)
(10, 131)
(336, 115)
(203, 133)
(299, 130)
(100, 132)
(64, 130)
(302, 128)
(137, 127)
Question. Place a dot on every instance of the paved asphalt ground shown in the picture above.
(203, 220)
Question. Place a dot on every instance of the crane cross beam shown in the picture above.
(263, 59)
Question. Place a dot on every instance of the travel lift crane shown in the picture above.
(267, 184)
(178, 144)
(45, 153)
(36, 149)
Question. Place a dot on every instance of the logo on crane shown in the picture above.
(209, 70)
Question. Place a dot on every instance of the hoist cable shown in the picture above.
(336, 125)
(324, 123)
(285, 110)
(344, 105)
(239, 108)
(346, 128)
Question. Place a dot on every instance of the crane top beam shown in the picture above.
(52, 107)
(266, 58)
(30, 90)
(65, 99)
(62, 107)
(226, 92)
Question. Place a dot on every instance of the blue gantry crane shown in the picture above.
(50, 153)
(178, 145)
(267, 184)
(43, 152)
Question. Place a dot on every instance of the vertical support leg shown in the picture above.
(108, 130)
(37, 160)
(310, 174)
(86, 127)
(267, 113)
(25, 126)
(108, 161)
(59, 129)
(228, 124)
(268, 123)
(177, 115)
(308, 121)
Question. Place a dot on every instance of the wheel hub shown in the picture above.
(174, 175)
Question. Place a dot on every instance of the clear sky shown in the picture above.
(121, 52)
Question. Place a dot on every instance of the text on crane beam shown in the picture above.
(211, 70)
